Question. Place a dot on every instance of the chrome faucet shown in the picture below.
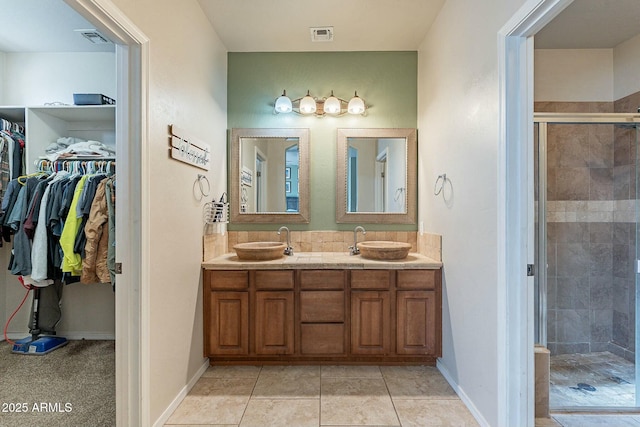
(353, 250)
(288, 250)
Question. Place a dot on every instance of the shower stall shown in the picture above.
(587, 238)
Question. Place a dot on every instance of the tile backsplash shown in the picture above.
(322, 241)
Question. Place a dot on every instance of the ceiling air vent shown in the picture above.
(94, 36)
(321, 34)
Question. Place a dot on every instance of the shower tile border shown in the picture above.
(591, 211)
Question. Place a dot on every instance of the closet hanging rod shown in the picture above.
(107, 165)
(8, 125)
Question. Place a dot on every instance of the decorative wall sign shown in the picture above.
(246, 176)
(188, 149)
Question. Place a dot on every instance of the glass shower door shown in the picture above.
(587, 258)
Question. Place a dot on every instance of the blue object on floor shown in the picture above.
(39, 346)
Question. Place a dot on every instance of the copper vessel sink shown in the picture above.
(260, 251)
(384, 250)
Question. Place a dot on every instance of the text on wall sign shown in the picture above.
(189, 149)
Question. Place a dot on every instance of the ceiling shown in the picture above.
(591, 24)
(283, 25)
(359, 25)
(44, 26)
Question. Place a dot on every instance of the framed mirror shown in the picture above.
(376, 176)
(269, 176)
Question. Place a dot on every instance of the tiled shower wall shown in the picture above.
(591, 232)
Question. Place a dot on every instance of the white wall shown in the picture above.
(458, 117)
(276, 196)
(574, 75)
(626, 68)
(396, 172)
(188, 88)
(39, 78)
(366, 173)
(2, 72)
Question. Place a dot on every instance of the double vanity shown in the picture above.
(323, 307)
(373, 302)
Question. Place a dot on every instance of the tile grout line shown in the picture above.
(320, 401)
(393, 403)
(250, 395)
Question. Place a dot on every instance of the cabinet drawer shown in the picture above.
(322, 306)
(227, 279)
(323, 338)
(273, 280)
(417, 279)
(322, 279)
(370, 279)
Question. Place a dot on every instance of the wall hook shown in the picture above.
(201, 187)
(439, 181)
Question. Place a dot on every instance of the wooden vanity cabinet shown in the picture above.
(226, 312)
(322, 312)
(371, 311)
(419, 312)
(332, 316)
(273, 324)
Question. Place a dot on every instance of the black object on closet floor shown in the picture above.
(37, 344)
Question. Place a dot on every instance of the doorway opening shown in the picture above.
(132, 222)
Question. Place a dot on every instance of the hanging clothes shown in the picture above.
(21, 254)
(40, 260)
(63, 226)
(71, 261)
(110, 190)
(97, 236)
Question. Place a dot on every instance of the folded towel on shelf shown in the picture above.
(74, 147)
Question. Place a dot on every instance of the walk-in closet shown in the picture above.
(58, 194)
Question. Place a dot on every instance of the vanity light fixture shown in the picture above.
(307, 104)
(320, 107)
(283, 103)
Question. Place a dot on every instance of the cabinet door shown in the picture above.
(370, 322)
(229, 327)
(274, 322)
(322, 306)
(416, 328)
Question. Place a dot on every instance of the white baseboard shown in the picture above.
(180, 397)
(461, 394)
(70, 335)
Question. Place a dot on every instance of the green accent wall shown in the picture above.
(387, 81)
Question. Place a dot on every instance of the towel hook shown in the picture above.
(441, 179)
(199, 181)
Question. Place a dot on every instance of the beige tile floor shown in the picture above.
(301, 396)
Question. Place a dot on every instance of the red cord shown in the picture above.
(6, 326)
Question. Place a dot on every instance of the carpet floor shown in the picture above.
(71, 386)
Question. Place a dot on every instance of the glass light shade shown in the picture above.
(283, 104)
(332, 105)
(307, 105)
(356, 105)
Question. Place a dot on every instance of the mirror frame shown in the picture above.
(342, 216)
(302, 216)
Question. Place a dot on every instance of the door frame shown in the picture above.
(516, 403)
(132, 213)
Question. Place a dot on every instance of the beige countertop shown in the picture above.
(321, 260)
